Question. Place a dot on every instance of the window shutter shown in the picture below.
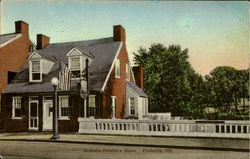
(22, 107)
(87, 107)
(71, 110)
(97, 105)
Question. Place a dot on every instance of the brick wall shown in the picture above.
(14, 55)
(20, 125)
(117, 86)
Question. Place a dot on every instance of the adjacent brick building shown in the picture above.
(27, 101)
(14, 50)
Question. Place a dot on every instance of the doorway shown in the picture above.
(33, 114)
(47, 115)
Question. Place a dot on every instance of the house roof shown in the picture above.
(104, 51)
(6, 38)
(137, 89)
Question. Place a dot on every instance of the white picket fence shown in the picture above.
(191, 128)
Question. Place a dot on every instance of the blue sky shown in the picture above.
(216, 33)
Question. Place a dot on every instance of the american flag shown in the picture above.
(64, 77)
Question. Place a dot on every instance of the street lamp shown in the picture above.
(55, 82)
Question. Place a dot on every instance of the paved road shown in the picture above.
(78, 146)
(51, 150)
(207, 143)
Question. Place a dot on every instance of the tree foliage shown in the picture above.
(227, 86)
(172, 84)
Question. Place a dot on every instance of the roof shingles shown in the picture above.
(104, 51)
(138, 90)
(5, 38)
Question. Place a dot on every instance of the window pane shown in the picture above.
(35, 76)
(92, 111)
(17, 112)
(33, 109)
(132, 106)
(118, 68)
(64, 102)
(35, 66)
(64, 105)
(91, 101)
(132, 102)
(113, 106)
(127, 71)
(75, 74)
(16, 106)
(75, 63)
(64, 111)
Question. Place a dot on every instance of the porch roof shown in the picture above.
(137, 89)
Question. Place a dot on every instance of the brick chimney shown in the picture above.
(119, 33)
(41, 41)
(22, 27)
(138, 74)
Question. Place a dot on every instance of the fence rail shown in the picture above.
(236, 129)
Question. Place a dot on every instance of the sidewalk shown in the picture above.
(222, 144)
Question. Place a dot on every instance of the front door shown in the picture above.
(47, 114)
(33, 115)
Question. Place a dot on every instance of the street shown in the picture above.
(46, 150)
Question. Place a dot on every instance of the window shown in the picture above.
(132, 106)
(64, 106)
(36, 71)
(92, 105)
(31, 48)
(146, 106)
(113, 106)
(75, 67)
(117, 68)
(127, 72)
(16, 107)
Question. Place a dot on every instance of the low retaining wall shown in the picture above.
(187, 128)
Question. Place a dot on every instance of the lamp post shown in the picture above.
(54, 82)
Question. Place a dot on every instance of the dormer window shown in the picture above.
(77, 61)
(35, 74)
(75, 66)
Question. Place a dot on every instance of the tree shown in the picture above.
(169, 79)
(227, 86)
(243, 82)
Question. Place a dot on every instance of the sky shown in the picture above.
(215, 33)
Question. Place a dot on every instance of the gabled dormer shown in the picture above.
(77, 61)
(35, 71)
(38, 66)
